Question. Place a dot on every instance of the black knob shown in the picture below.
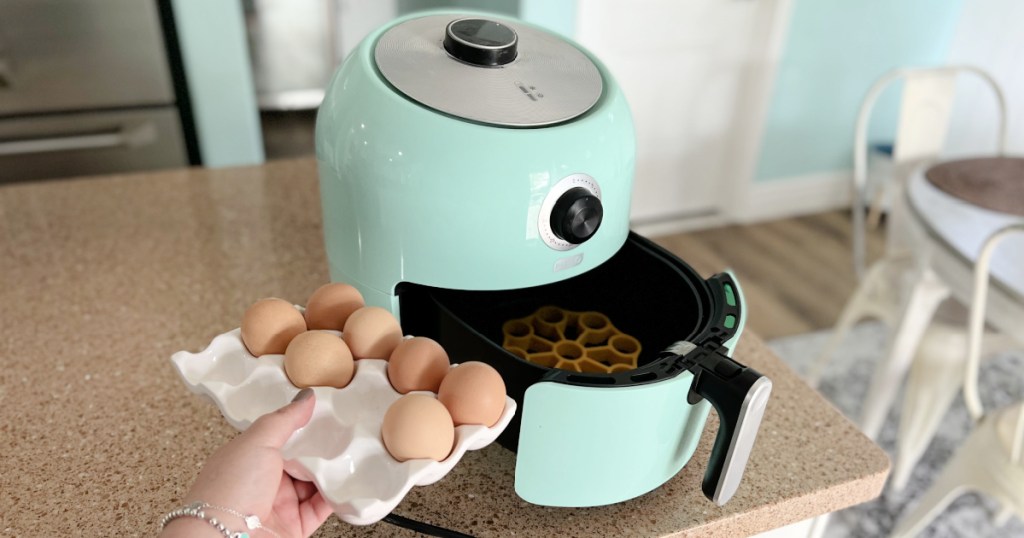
(481, 42)
(577, 215)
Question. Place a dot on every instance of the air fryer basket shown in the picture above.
(646, 292)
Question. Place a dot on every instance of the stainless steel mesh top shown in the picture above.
(488, 70)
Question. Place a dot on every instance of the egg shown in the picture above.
(372, 333)
(269, 325)
(331, 305)
(417, 426)
(418, 363)
(318, 359)
(474, 393)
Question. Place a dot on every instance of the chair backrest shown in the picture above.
(926, 107)
(925, 110)
(976, 330)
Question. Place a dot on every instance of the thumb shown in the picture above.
(273, 429)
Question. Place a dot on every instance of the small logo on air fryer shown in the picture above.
(530, 91)
(568, 262)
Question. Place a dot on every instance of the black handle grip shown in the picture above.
(739, 395)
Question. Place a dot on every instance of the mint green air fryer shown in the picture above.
(474, 168)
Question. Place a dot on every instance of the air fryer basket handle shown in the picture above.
(739, 395)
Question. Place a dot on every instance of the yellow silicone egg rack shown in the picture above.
(585, 342)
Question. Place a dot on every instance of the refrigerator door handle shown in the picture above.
(125, 136)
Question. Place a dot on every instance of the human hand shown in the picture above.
(247, 475)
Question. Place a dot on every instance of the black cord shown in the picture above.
(424, 528)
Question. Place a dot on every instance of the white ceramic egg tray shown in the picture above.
(340, 449)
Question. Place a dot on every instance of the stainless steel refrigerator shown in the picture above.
(86, 87)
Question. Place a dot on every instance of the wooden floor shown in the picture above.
(796, 273)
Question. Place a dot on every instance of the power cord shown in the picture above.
(423, 528)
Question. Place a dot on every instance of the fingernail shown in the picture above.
(303, 394)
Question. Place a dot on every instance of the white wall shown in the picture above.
(696, 75)
(988, 35)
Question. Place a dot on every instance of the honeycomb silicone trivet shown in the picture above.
(576, 341)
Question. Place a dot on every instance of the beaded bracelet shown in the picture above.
(195, 510)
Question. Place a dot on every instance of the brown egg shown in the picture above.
(318, 359)
(474, 393)
(331, 305)
(417, 426)
(418, 363)
(269, 325)
(372, 333)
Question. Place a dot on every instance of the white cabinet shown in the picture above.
(697, 75)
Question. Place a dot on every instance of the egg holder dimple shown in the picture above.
(340, 449)
(585, 342)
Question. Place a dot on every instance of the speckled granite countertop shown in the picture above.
(102, 279)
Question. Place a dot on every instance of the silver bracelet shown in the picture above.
(252, 522)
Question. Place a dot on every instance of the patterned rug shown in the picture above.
(845, 385)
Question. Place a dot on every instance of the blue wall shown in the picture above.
(220, 84)
(834, 50)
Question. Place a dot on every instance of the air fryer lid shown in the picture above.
(488, 70)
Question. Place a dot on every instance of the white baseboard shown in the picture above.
(792, 197)
(764, 200)
(678, 225)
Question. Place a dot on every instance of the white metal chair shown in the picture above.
(905, 287)
(900, 289)
(937, 373)
(925, 110)
(926, 103)
(991, 459)
(949, 234)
